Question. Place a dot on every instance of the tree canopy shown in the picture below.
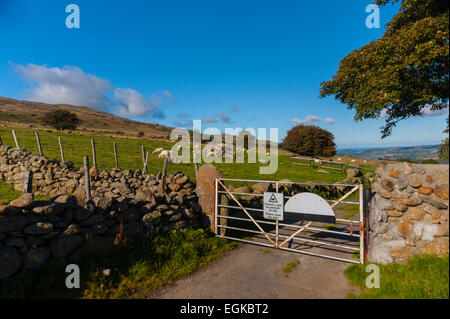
(61, 120)
(403, 72)
(309, 141)
(443, 148)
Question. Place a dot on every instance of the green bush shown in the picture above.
(61, 120)
(309, 141)
(430, 161)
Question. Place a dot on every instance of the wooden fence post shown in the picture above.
(38, 141)
(87, 179)
(367, 196)
(15, 138)
(144, 170)
(94, 156)
(163, 178)
(196, 168)
(143, 154)
(61, 149)
(115, 155)
(28, 182)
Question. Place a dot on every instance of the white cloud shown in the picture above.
(209, 120)
(67, 85)
(182, 123)
(310, 119)
(223, 117)
(426, 111)
(168, 94)
(70, 85)
(383, 114)
(134, 104)
(330, 120)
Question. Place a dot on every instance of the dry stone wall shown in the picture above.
(409, 212)
(125, 204)
(51, 177)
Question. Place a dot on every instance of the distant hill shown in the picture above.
(93, 121)
(416, 153)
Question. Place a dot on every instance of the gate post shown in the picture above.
(216, 197)
(206, 192)
(367, 194)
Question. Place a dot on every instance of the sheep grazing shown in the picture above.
(158, 150)
(164, 154)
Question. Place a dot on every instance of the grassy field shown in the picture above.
(8, 193)
(135, 270)
(130, 157)
(422, 277)
(147, 264)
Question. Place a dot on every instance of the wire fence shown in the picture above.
(104, 152)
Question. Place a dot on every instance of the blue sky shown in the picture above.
(234, 63)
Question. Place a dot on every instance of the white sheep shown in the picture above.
(164, 154)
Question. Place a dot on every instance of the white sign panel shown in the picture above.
(311, 207)
(273, 206)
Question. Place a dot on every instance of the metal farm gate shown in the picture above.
(239, 216)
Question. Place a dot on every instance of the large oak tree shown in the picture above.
(403, 72)
(310, 141)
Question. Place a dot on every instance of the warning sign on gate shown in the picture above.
(273, 206)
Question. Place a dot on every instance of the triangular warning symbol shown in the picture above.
(273, 199)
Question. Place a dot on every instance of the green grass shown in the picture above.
(8, 193)
(351, 210)
(130, 156)
(290, 267)
(422, 277)
(135, 270)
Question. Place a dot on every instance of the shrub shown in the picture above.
(61, 120)
(430, 161)
(309, 141)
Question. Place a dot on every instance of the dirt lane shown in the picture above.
(252, 271)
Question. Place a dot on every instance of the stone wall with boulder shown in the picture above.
(124, 203)
(33, 231)
(409, 212)
(51, 177)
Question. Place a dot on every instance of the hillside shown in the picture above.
(93, 121)
(418, 152)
